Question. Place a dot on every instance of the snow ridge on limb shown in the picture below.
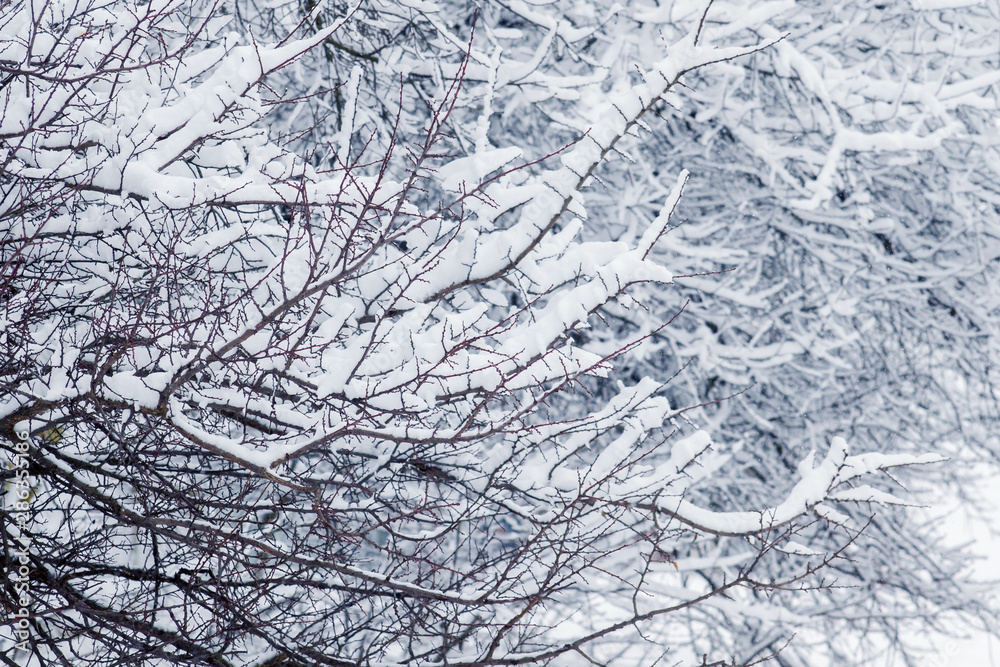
(816, 486)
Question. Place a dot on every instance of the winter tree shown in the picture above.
(394, 333)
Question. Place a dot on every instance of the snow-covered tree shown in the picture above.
(835, 248)
(343, 335)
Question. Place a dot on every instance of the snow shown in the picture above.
(309, 317)
(467, 173)
(816, 485)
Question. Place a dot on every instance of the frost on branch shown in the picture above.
(307, 395)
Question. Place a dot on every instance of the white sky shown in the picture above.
(981, 529)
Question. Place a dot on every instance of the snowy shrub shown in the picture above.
(344, 335)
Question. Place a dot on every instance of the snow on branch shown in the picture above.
(316, 363)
